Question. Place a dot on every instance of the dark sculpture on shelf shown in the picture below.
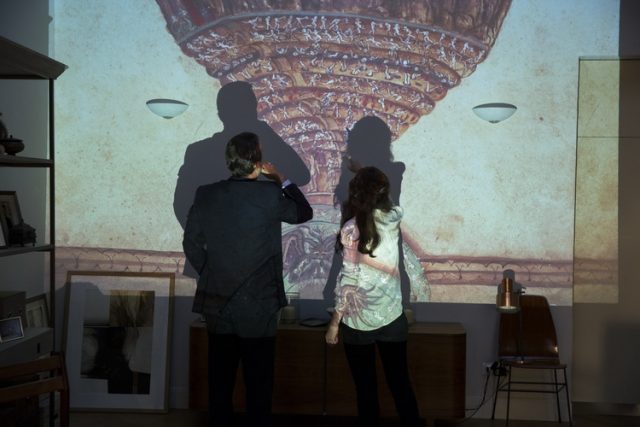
(10, 144)
(22, 234)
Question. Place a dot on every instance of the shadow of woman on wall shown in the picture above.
(368, 144)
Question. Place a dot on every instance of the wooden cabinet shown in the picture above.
(20, 63)
(299, 372)
(312, 378)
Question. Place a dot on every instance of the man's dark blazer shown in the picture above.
(233, 238)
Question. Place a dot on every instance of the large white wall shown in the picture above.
(27, 23)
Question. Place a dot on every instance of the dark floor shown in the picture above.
(185, 418)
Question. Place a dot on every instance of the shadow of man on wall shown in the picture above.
(368, 144)
(204, 160)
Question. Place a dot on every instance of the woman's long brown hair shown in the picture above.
(368, 190)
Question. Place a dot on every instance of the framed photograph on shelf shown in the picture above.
(11, 329)
(37, 312)
(118, 338)
(4, 236)
(9, 210)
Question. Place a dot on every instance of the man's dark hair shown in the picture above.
(242, 153)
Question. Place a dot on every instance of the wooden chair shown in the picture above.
(25, 382)
(528, 341)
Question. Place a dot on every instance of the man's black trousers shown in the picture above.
(257, 355)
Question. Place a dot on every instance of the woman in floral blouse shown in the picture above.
(368, 309)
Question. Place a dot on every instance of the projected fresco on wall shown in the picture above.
(386, 83)
(318, 68)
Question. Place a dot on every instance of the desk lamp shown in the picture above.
(508, 298)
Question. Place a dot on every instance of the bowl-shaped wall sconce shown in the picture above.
(494, 112)
(167, 108)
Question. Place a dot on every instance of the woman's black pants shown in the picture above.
(362, 361)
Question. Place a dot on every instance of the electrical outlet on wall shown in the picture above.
(494, 368)
(487, 367)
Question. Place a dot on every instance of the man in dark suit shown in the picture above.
(233, 239)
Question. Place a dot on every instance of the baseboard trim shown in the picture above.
(597, 408)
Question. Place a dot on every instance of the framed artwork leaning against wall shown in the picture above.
(117, 339)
